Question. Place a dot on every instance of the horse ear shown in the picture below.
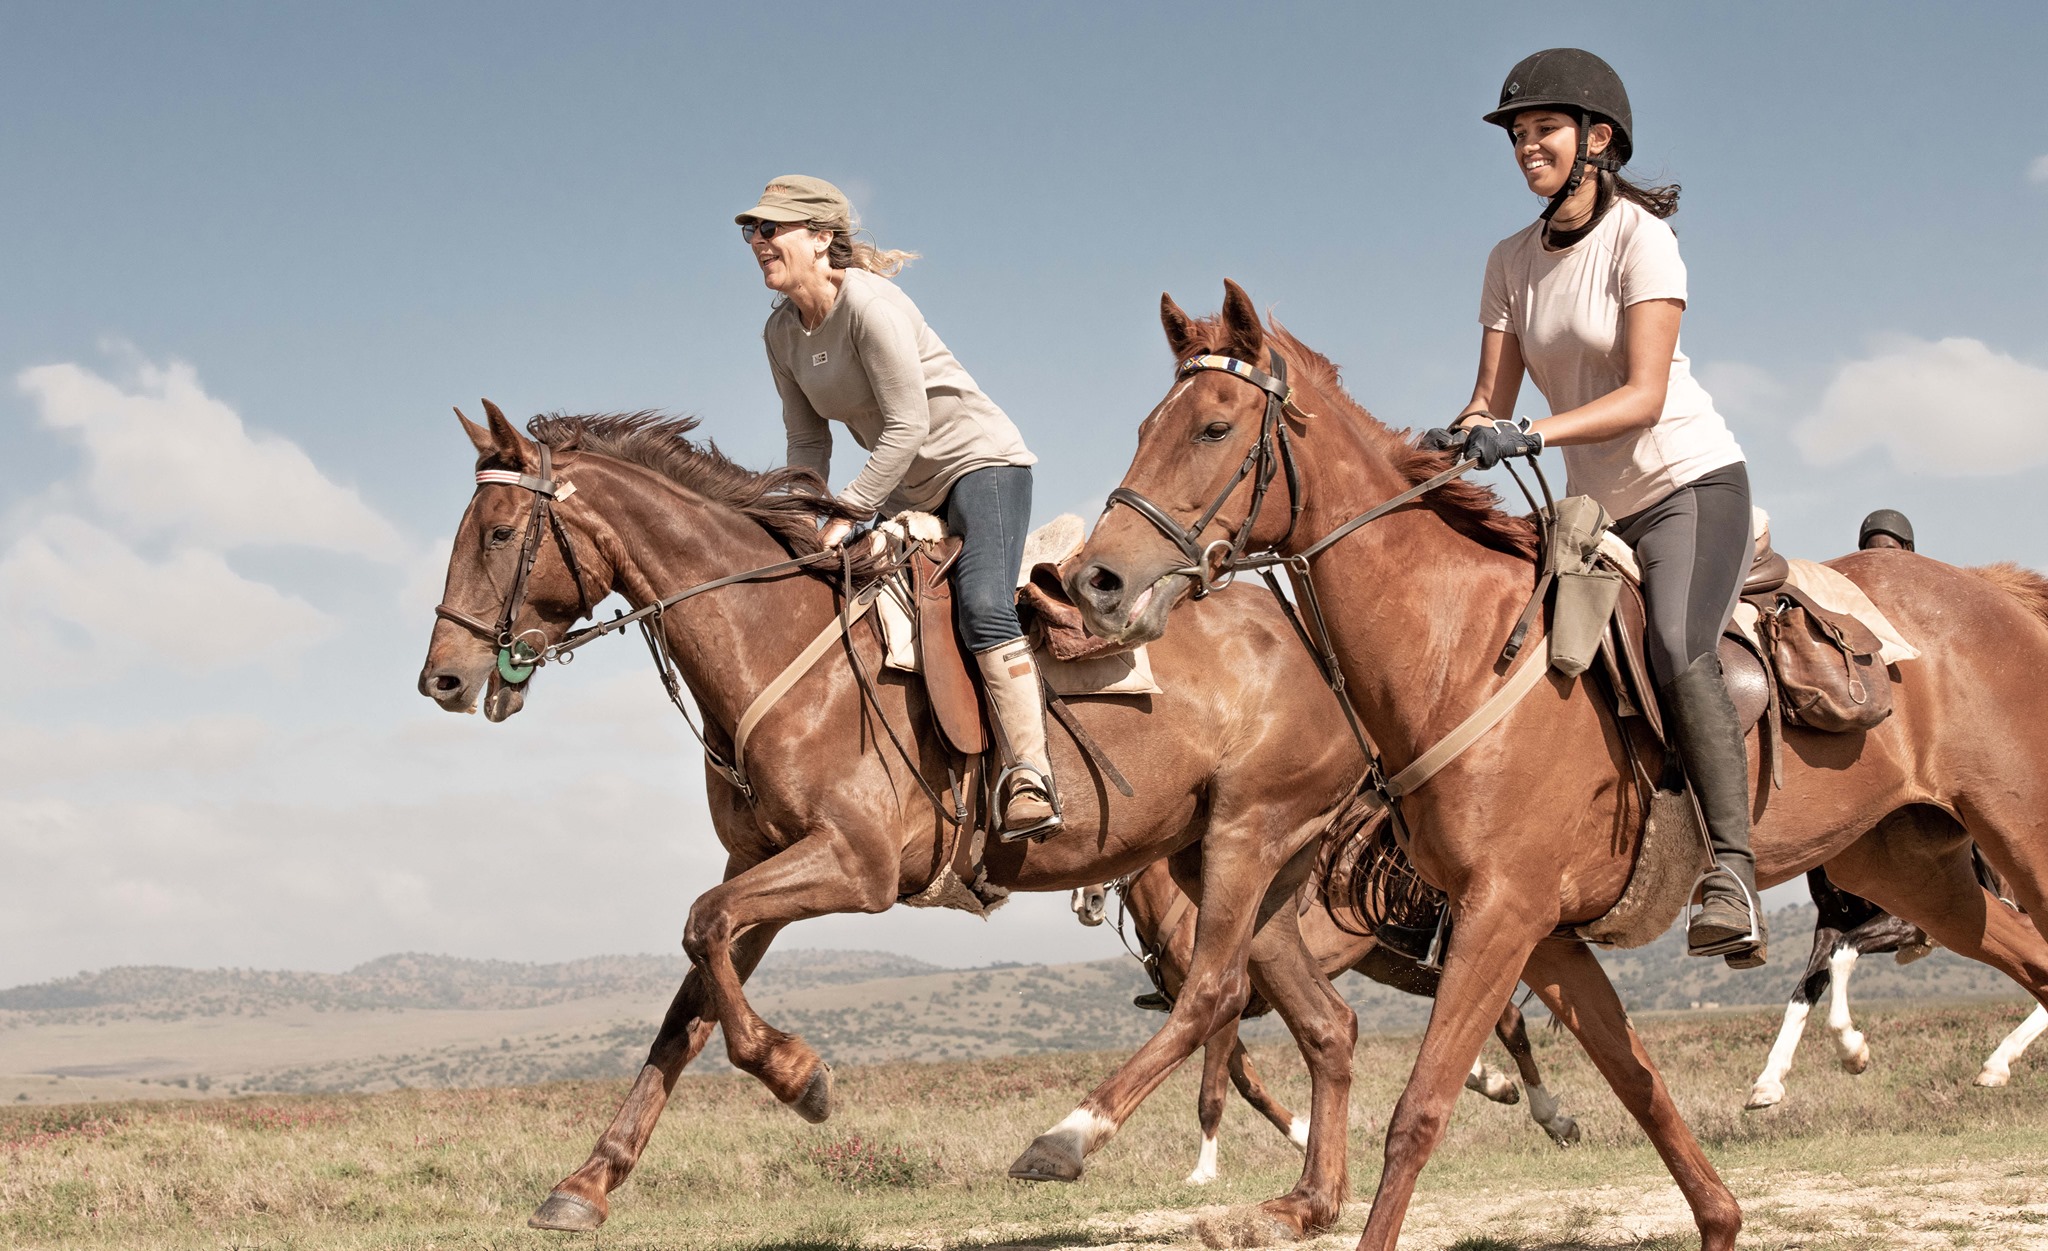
(1180, 328)
(506, 441)
(1245, 337)
(478, 436)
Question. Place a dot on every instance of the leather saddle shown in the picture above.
(1048, 616)
(1752, 686)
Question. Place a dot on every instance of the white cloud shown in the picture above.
(167, 458)
(2037, 172)
(1952, 407)
(90, 607)
(207, 745)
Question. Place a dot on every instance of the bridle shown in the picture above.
(517, 658)
(1270, 454)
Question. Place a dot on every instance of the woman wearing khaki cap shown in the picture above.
(847, 346)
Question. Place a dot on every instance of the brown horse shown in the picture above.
(1534, 827)
(1163, 920)
(1228, 778)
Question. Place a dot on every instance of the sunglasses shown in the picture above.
(751, 231)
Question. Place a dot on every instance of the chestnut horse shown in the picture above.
(1534, 827)
(1163, 920)
(1229, 777)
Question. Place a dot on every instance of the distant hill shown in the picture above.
(413, 980)
(420, 1020)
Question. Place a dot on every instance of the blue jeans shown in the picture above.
(990, 509)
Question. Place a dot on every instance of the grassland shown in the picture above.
(1908, 1155)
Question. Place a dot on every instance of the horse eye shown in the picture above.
(500, 535)
(1215, 432)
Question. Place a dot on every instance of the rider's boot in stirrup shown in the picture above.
(1025, 794)
(1730, 921)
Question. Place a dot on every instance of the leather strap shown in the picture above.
(1471, 730)
(794, 671)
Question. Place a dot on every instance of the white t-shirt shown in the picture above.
(1568, 308)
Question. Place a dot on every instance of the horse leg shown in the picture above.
(1916, 865)
(1850, 1044)
(1486, 1080)
(1254, 1092)
(1209, 1105)
(578, 1202)
(1492, 935)
(1997, 1069)
(817, 876)
(1513, 1032)
(1577, 991)
(1769, 1087)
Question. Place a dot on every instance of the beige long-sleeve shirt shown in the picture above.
(874, 366)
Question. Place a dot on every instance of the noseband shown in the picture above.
(517, 657)
(1273, 452)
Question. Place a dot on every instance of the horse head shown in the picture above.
(1207, 483)
(1090, 904)
(516, 582)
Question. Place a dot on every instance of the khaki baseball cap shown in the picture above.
(799, 198)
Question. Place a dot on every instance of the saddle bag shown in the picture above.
(1828, 667)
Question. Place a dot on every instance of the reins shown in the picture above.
(517, 659)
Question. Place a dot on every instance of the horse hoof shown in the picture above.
(570, 1213)
(1564, 1131)
(1992, 1078)
(1760, 1099)
(1054, 1156)
(1858, 1060)
(815, 1103)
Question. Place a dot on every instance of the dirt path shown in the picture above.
(1985, 1204)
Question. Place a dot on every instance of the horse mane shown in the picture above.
(1470, 508)
(787, 502)
(2023, 584)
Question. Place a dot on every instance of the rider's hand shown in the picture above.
(1440, 439)
(835, 532)
(1490, 444)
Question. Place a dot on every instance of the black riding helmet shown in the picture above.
(1888, 521)
(1575, 82)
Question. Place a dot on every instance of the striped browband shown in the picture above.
(540, 486)
(1250, 373)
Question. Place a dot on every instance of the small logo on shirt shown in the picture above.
(819, 359)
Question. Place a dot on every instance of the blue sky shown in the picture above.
(252, 253)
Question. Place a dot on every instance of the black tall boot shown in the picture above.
(1730, 921)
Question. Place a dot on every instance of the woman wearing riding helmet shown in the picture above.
(1588, 300)
(847, 346)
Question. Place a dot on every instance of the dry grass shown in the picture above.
(1907, 1155)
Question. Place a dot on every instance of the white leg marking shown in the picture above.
(1543, 1109)
(1496, 1085)
(1205, 1168)
(1297, 1133)
(1849, 1041)
(1770, 1084)
(1998, 1068)
(1085, 1129)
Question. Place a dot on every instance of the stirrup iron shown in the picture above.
(1038, 830)
(1739, 946)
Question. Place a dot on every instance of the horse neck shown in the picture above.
(1417, 611)
(727, 643)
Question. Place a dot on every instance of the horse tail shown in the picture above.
(2023, 584)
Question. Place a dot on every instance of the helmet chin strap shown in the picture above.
(1580, 163)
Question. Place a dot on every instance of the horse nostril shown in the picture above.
(1104, 580)
(447, 683)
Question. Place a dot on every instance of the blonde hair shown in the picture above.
(848, 252)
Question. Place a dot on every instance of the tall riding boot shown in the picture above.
(1024, 789)
(1710, 742)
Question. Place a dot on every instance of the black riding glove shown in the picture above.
(1489, 444)
(1440, 439)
